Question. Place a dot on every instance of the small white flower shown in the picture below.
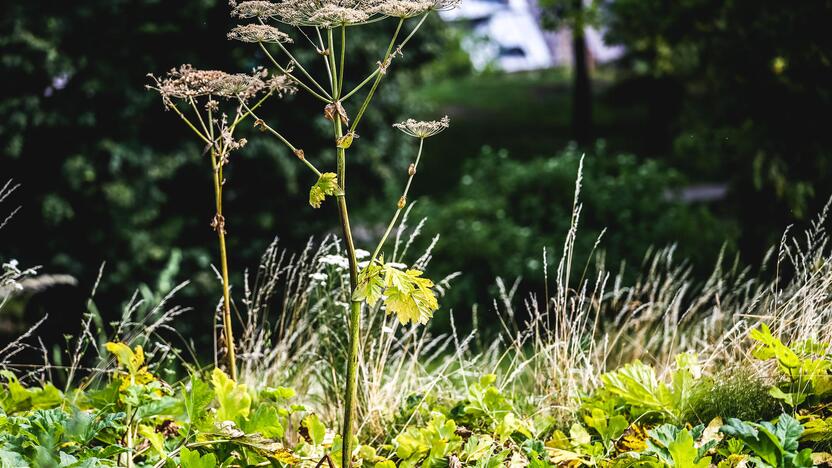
(400, 266)
(335, 260)
(361, 253)
(322, 277)
(363, 264)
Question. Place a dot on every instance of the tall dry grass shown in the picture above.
(549, 347)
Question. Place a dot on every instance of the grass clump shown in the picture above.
(739, 392)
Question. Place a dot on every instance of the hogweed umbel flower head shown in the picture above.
(423, 129)
(187, 82)
(403, 8)
(254, 9)
(335, 13)
(319, 13)
(259, 33)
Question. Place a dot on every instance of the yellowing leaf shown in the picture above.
(346, 141)
(409, 295)
(127, 358)
(327, 184)
(131, 360)
(634, 439)
(234, 400)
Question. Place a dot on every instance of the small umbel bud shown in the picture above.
(299, 154)
(411, 170)
(402, 202)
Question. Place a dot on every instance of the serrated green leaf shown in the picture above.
(192, 459)
(197, 398)
(266, 421)
(409, 296)
(684, 453)
(327, 184)
(156, 439)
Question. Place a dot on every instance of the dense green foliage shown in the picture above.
(743, 83)
(635, 417)
(504, 212)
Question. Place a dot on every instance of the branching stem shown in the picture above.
(400, 205)
(326, 98)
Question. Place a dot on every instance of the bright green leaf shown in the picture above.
(234, 400)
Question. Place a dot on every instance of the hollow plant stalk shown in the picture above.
(351, 391)
(219, 226)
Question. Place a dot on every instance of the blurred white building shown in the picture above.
(508, 35)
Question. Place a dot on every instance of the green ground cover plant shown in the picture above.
(661, 372)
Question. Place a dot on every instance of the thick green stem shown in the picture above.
(351, 391)
(219, 226)
(350, 394)
(343, 53)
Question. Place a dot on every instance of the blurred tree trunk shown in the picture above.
(581, 83)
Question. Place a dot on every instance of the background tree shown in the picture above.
(105, 179)
(576, 16)
(751, 79)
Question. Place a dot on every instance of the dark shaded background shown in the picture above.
(709, 92)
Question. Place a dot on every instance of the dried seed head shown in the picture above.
(411, 170)
(259, 33)
(299, 154)
(187, 82)
(330, 16)
(423, 129)
(281, 85)
(239, 85)
(402, 202)
(322, 13)
(255, 9)
(403, 8)
(334, 13)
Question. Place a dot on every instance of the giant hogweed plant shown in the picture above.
(204, 100)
